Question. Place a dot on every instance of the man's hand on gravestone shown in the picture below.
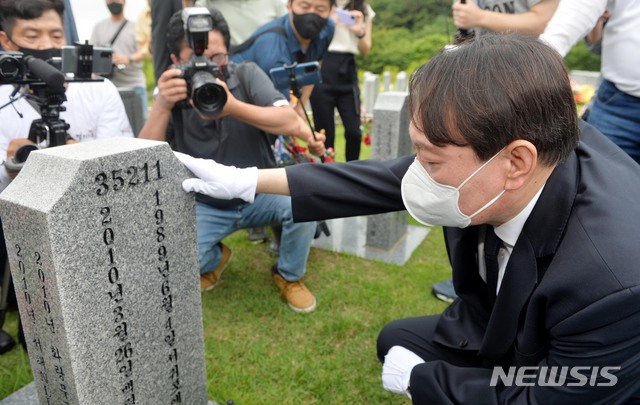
(219, 181)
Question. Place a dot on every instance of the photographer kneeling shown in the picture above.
(236, 111)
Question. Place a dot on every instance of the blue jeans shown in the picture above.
(617, 115)
(214, 224)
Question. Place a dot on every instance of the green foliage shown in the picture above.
(147, 68)
(407, 33)
(580, 58)
(397, 47)
(409, 14)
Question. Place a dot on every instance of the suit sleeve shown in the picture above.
(338, 190)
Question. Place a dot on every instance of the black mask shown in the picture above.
(115, 8)
(309, 25)
(44, 54)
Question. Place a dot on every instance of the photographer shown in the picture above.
(249, 109)
(94, 110)
(303, 35)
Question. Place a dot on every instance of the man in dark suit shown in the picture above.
(540, 217)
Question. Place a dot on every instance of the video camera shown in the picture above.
(208, 97)
(45, 80)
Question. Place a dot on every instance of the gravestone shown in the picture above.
(102, 246)
(133, 107)
(370, 92)
(386, 81)
(401, 81)
(385, 237)
(390, 139)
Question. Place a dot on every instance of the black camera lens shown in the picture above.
(23, 153)
(10, 68)
(207, 95)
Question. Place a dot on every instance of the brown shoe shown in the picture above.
(298, 296)
(209, 280)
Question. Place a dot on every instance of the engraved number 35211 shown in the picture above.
(117, 180)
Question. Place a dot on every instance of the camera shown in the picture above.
(11, 67)
(83, 59)
(45, 81)
(296, 75)
(207, 96)
(80, 59)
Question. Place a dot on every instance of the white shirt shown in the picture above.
(94, 111)
(509, 232)
(620, 42)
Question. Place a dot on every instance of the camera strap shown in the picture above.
(251, 40)
(115, 36)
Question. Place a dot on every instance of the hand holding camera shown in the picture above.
(171, 89)
(200, 74)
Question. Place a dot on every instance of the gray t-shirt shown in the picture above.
(228, 140)
(506, 7)
(131, 75)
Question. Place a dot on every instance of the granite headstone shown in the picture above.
(386, 81)
(102, 247)
(370, 92)
(390, 139)
(401, 81)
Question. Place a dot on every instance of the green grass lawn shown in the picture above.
(258, 351)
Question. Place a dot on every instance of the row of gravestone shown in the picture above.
(102, 247)
(371, 88)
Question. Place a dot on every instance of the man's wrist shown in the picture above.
(130, 59)
(362, 34)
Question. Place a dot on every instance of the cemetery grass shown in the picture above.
(258, 351)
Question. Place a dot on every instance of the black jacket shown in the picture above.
(571, 291)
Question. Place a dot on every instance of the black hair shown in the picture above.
(493, 90)
(333, 2)
(12, 10)
(175, 30)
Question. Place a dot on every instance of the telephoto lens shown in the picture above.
(208, 96)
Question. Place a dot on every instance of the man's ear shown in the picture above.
(523, 160)
(5, 42)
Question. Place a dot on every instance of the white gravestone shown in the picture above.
(390, 139)
(102, 247)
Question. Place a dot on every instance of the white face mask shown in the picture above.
(435, 204)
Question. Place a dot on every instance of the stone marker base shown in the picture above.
(28, 395)
(349, 235)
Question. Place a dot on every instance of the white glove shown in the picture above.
(219, 181)
(396, 370)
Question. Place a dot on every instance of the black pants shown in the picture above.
(416, 334)
(346, 98)
(339, 89)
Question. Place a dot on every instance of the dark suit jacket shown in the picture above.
(571, 292)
